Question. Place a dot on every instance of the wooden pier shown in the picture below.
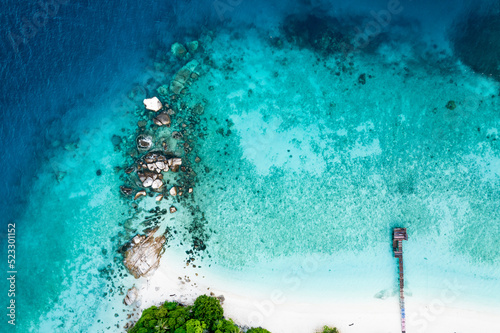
(399, 234)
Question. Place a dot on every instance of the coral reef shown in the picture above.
(323, 34)
(476, 41)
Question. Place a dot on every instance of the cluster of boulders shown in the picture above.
(155, 105)
(143, 253)
(148, 172)
(149, 168)
(154, 159)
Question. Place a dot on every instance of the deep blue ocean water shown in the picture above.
(78, 54)
(61, 61)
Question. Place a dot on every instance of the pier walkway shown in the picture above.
(399, 234)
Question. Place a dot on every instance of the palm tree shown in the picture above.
(161, 326)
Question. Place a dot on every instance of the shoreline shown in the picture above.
(286, 312)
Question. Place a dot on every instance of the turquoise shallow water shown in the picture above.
(321, 164)
(67, 238)
(304, 171)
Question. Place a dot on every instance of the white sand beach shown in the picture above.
(282, 312)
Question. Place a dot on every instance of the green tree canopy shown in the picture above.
(258, 330)
(208, 309)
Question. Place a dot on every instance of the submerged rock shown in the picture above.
(362, 78)
(198, 109)
(144, 142)
(152, 104)
(116, 140)
(178, 50)
(137, 93)
(126, 190)
(193, 46)
(181, 78)
(162, 90)
(191, 66)
(71, 146)
(176, 87)
(451, 105)
(144, 253)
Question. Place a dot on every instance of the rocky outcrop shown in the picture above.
(156, 162)
(163, 119)
(149, 172)
(160, 167)
(143, 253)
(131, 296)
(153, 104)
